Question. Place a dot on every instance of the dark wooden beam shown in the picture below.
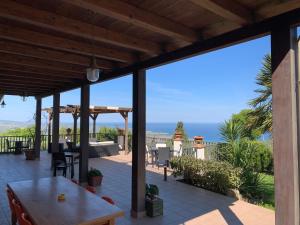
(133, 15)
(228, 9)
(23, 87)
(245, 33)
(41, 63)
(55, 123)
(41, 18)
(40, 71)
(17, 92)
(285, 130)
(38, 116)
(33, 83)
(275, 8)
(239, 35)
(36, 78)
(22, 35)
(84, 133)
(49, 54)
(138, 144)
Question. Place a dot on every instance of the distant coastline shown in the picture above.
(210, 131)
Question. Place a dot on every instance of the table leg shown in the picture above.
(72, 166)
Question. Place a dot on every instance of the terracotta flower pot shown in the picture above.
(95, 181)
(178, 135)
(30, 154)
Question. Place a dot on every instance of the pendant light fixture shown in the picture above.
(93, 72)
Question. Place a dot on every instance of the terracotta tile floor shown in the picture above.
(183, 204)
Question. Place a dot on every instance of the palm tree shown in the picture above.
(261, 115)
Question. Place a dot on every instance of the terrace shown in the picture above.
(183, 204)
(46, 48)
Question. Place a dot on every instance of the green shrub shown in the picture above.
(94, 173)
(211, 175)
(108, 134)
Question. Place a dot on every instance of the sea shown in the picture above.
(210, 131)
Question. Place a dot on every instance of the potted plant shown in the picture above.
(94, 177)
(29, 154)
(154, 204)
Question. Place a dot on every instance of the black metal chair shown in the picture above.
(163, 157)
(9, 147)
(60, 163)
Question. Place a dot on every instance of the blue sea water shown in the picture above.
(210, 131)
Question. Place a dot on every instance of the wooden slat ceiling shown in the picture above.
(46, 46)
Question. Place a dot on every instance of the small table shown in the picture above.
(39, 200)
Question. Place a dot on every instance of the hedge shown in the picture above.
(211, 175)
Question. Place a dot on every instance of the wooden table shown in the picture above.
(39, 200)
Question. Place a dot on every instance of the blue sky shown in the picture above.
(207, 88)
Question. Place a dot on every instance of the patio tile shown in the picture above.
(183, 204)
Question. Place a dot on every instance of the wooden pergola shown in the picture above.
(46, 46)
(94, 111)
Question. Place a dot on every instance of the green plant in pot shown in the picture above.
(94, 177)
(154, 204)
(29, 154)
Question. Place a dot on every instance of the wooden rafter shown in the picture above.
(42, 77)
(131, 14)
(33, 82)
(54, 42)
(41, 18)
(273, 9)
(228, 9)
(49, 54)
(41, 63)
(40, 71)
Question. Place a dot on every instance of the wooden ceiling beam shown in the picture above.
(139, 17)
(41, 18)
(41, 63)
(49, 54)
(22, 87)
(39, 77)
(34, 80)
(40, 71)
(16, 92)
(275, 8)
(31, 83)
(228, 9)
(15, 33)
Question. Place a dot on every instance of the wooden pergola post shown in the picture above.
(75, 118)
(94, 118)
(84, 133)
(285, 124)
(49, 127)
(55, 122)
(138, 144)
(38, 115)
(125, 116)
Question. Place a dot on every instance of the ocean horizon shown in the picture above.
(210, 131)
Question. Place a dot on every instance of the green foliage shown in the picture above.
(27, 131)
(244, 121)
(151, 191)
(261, 116)
(250, 155)
(94, 172)
(180, 128)
(107, 134)
(211, 175)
